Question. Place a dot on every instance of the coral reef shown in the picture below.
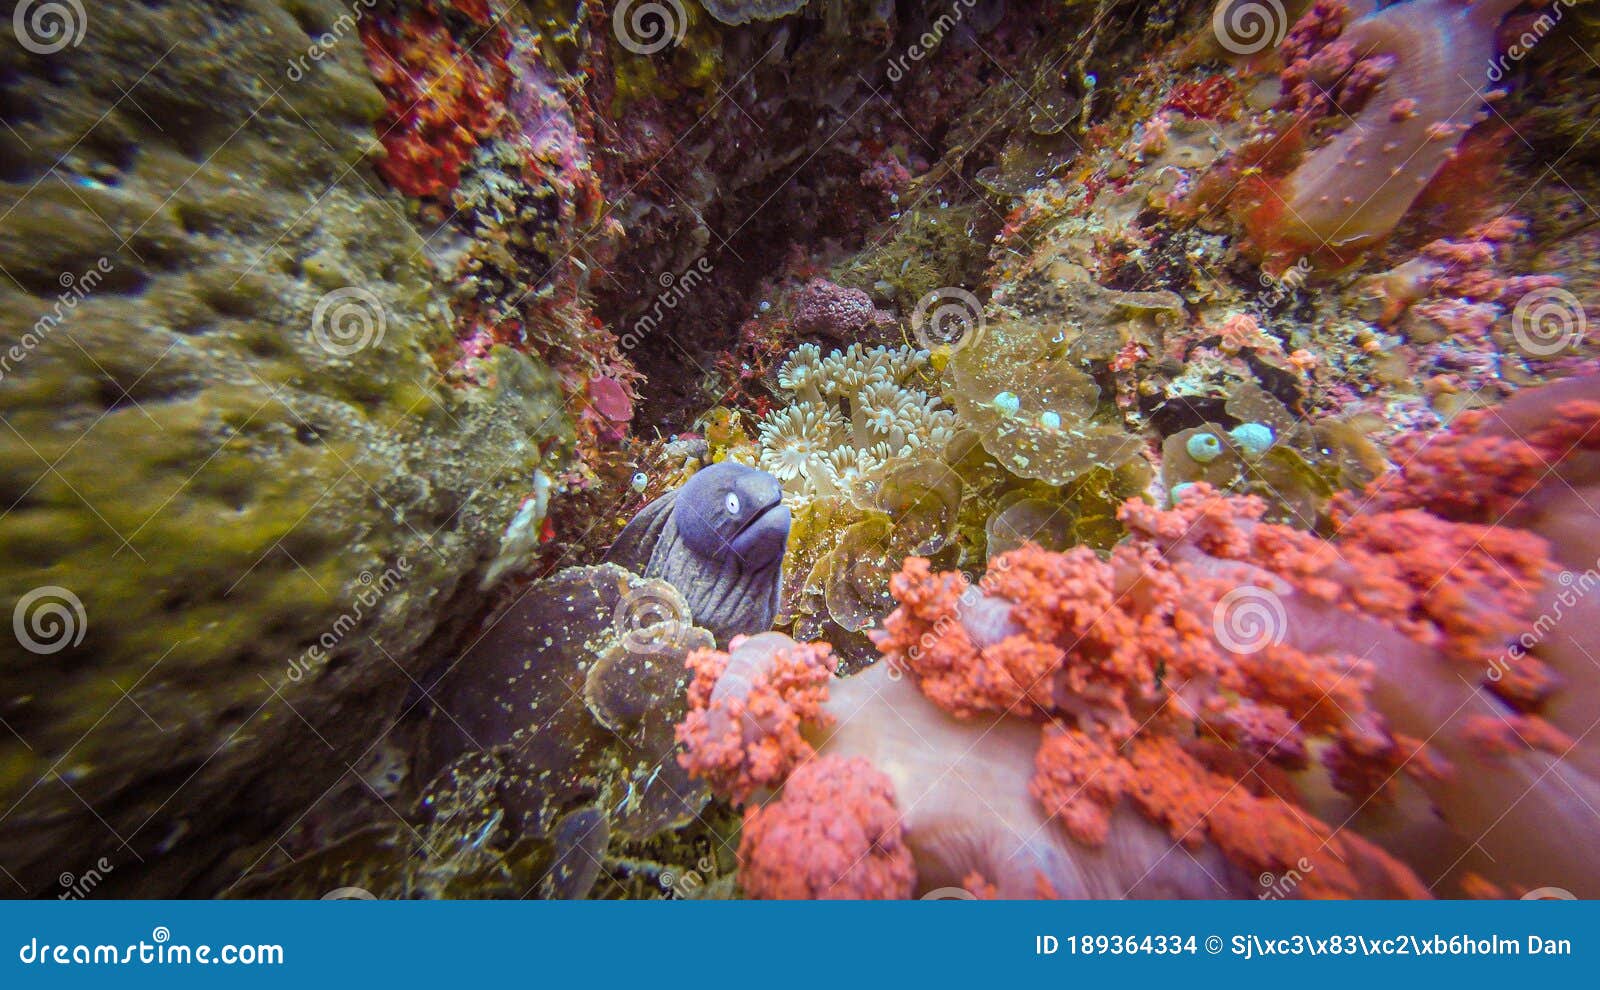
(1407, 73)
(1248, 689)
(601, 634)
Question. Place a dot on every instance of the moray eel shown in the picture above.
(719, 540)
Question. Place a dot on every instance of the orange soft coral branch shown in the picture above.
(1481, 467)
(746, 711)
(1147, 660)
(1259, 831)
(834, 834)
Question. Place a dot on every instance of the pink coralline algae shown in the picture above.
(1416, 69)
(1455, 284)
(824, 309)
(1484, 468)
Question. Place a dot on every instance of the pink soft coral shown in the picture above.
(1352, 191)
(747, 708)
(835, 834)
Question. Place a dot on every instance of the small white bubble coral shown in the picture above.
(853, 410)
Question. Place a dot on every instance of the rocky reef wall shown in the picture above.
(240, 497)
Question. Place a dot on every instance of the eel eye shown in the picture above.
(731, 503)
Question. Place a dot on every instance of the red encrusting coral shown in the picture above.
(442, 100)
(834, 834)
(1206, 99)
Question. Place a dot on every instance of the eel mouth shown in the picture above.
(763, 536)
(766, 510)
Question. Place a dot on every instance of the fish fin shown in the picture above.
(638, 540)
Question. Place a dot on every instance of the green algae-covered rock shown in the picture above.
(239, 498)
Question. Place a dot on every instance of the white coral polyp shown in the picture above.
(802, 374)
(871, 414)
(795, 440)
(849, 466)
